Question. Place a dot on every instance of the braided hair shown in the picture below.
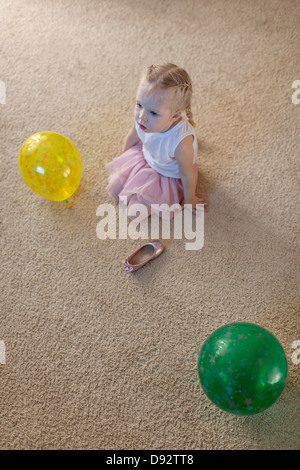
(171, 76)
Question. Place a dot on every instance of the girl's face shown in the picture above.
(154, 111)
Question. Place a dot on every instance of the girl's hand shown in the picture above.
(196, 200)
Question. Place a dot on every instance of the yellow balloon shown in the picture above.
(50, 165)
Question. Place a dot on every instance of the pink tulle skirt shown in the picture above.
(130, 176)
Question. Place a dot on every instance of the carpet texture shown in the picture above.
(94, 358)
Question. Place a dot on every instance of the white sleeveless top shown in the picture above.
(159, 147)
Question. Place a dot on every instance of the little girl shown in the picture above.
(158, 163)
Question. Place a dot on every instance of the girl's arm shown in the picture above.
(131, 139)
(184, 154)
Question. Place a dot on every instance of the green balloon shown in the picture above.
(242, 368)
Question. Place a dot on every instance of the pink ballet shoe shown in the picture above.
(144, 254)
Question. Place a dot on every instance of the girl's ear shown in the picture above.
(177, 115)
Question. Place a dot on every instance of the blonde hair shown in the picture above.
(171, 76)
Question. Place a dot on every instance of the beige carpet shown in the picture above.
(99, 359)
